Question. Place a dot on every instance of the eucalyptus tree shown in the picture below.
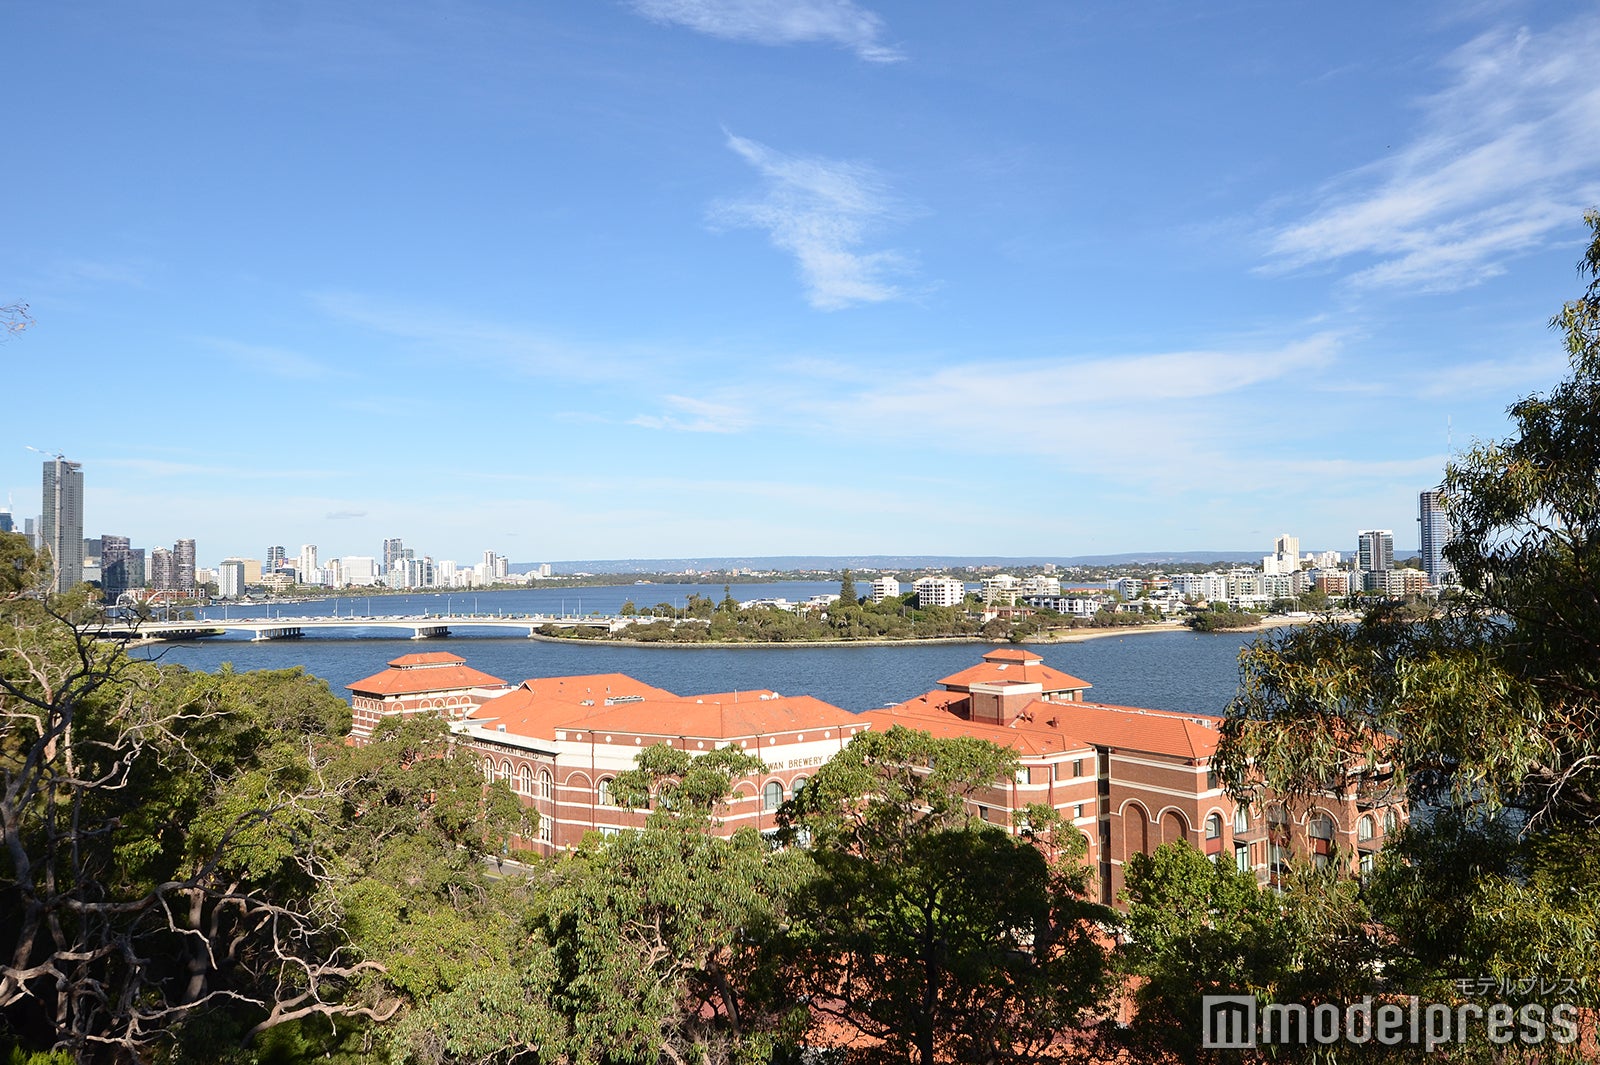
(1489, 712)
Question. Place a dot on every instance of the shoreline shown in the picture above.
(1073, 636)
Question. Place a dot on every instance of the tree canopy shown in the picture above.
(1489, 711)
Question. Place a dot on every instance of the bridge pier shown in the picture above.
(287, 632)
(426, 632)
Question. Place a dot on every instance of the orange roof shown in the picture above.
(1013, 654)
(596, 686)
(527, 712)
(1191, 736)
(1021, 671)
(430, 658)
(722, 718)
(410, 679)
(925, 715)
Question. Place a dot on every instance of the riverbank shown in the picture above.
(1067, 636)
(734, 645)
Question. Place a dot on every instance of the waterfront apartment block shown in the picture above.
(939, 591)
(1128, 779)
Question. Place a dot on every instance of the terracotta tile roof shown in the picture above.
(528, 713)
(987, 672)
(429, 658)
(941, 713)
(596, 686)
(722, 718)
(1012, 654)
(1190, 736)
(413, 680)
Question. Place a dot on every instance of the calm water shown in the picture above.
(1169, 671)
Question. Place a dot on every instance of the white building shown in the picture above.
(1001, 588)
(1039, 585)
(230, 578)
(360, 571)
(883, 588)
(308, 561)
(939, 591)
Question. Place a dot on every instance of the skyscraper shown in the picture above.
(306, 572)
(62, 524)
(1434, 528)
(393, 550)
(1375, 550)
(115, 577)
(163, 575)
(183, 566)
(275, 559)
(6, 524)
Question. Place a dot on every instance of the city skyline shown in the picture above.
(661, 278)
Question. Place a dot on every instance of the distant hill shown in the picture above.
(885, 562)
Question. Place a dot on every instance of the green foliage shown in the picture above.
(847, 591)
(190, 860)
(935, 935)
(684, 786)
(1488, 709)
(1218, 620)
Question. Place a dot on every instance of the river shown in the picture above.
(1169, 670)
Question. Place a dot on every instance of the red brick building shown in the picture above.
(1128, 779)
(436, 682)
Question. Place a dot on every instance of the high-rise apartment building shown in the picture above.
(183, 566)
(114, 572)
(230, 578)
(1375, 550)
(163, 574)
(276, 556)
(307, 570)
(1433, 526)
(393, 551)
(62, 523)
(6, 522)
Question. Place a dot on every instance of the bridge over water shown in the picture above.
(421, 626)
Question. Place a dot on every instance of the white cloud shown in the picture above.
(441, 333)
(821, 211)
(776, 22)
(693, 415)
(1505, 160)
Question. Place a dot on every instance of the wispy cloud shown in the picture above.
(188, 471)
(1505, 159)
(776, 22)
(821, 211)
(272, 362)
(344, 515)
(512, 348)
(693, 415)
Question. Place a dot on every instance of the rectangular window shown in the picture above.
(1077, 767)
(1241, 857)
(1077, 811)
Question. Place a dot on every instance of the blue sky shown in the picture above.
(703, 277)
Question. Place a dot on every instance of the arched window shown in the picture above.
(1320, 827)
(526, 775)
(1277, 817)
(772, 795)
(547, 785)
(505, 773)
(1214, 826)
(1241, 819)
(1364, 828)
(799, 782)
(606, 798)
(488, 770)
(1391, 821)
